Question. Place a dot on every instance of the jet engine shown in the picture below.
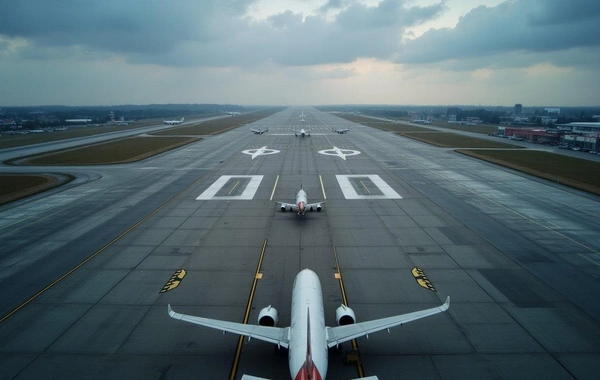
(344, 316)
(319, 207)
(268, 316)
(282, 208)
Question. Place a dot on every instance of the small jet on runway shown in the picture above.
(259, 131)
(173, 122)
(308, 339)
(302, 132)
(301, 204)
(341, 130)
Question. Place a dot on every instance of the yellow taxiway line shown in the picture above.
(257, 276)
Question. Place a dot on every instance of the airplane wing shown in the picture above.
(341, 334)
(288, 205)
(277, 335)
(314, 205)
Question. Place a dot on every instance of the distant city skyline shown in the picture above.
(301, 52)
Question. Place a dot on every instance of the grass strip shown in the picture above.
(110, 152)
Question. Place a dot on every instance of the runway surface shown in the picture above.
(519, 257)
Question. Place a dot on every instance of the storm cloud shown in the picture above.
(487, 35)
(301, 51)
(209, 33)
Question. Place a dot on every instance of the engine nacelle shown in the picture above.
(282, 208)
(344, 316)
(319, 207)
(268, 316)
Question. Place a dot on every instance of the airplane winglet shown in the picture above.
(446, 304)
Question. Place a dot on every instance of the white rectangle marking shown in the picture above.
(247, 194)
(350, 192)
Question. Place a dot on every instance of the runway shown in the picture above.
(519, 257)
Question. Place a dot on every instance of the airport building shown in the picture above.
(536, 135)
(585, 136)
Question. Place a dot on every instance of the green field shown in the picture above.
(111, 152)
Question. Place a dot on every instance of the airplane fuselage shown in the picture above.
(301, 201)
(173, 122)
(307, 350)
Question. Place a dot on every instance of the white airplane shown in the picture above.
(302, 132)
(341, 130)
(308, 338)
(301, 204)
(259, 131)
(232, 113)
(173, 122)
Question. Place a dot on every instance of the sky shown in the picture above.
(300, 52)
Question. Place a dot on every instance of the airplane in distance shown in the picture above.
(232, 113)
(301, 204)
(308, 338)
(259, 131)
(173, 122)
(302, 132)
(341, 130)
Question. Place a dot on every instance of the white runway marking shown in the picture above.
(260, 152)
(342, 153)
(350, 192)
(247, 194)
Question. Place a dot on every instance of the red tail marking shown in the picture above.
(309, 370)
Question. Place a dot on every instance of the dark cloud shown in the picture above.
(120, 26)
(208, 32)
(561, 12)
(521, 26)
(388, 13)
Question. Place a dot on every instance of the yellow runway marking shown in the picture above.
(338, 276)
(174, 281)
(322, 187)
(236, 184)
(365, 186)
(422, 280)
(257, 276)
